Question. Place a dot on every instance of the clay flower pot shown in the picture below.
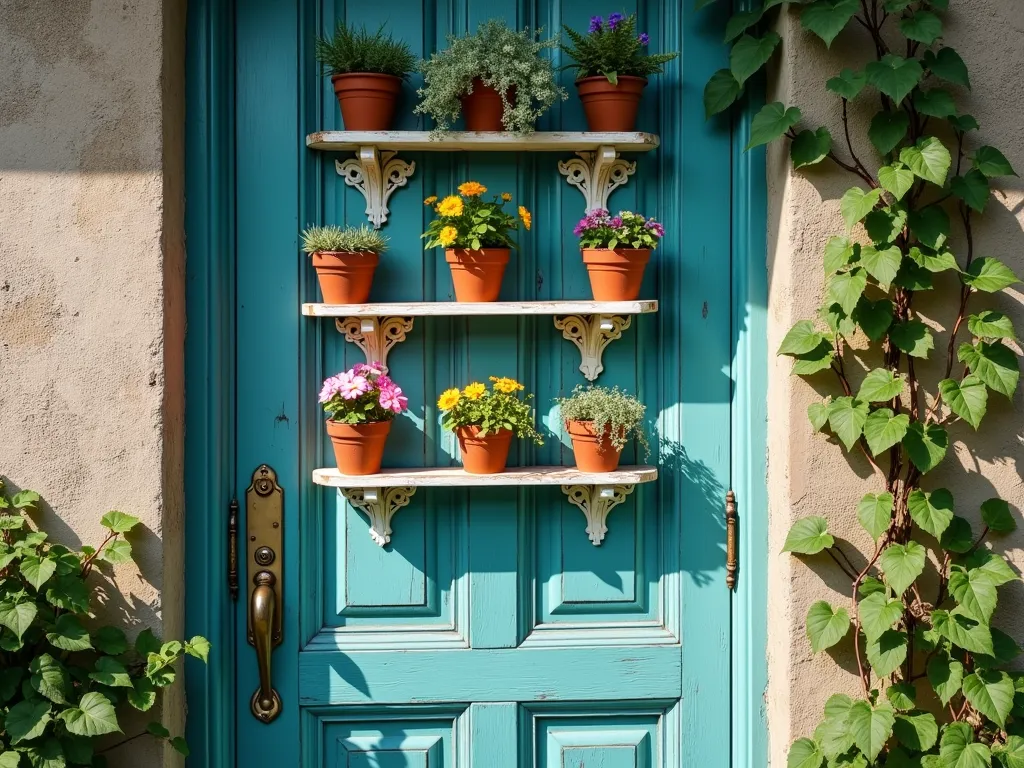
(616, 275)
(483, 455)
(367, 100)
(477, 274)
(358, 448)
(482, 109)
(345, 278)
(611, 107)
(593, 452)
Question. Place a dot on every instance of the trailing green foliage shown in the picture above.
(345, 239)
(62, 679)
(934, 689)
(354, 49)
(610, 410)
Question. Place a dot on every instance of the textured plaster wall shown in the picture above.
(92, 291)
(809, 474)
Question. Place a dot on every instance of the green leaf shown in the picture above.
(741, 22)
(887, 652)
(991, 325)
(929, 159)
(10, 759)
(989, 275)
(69, 634)
(881, 264)
(875, 513)
(994, 364)
(1004, 650)
(902, 564)
(885, 225)
(810, 147)
(957, 749)
(116, 552)
(118, 522)
(922, 27)
(110, 640)
(837, 321)
(963, 631)
(917, 731)
(11, 522)
(10, 678)
(975, 592)
(967, 399)
(771, 123)
(801, 339)
(933, 511)
(997, 516)
(873, 317)
(808, 536)
(848, 84)
(839, 252)
(946, 64)
(992, 564)
(69, 593)
(896, 179)
(827, 18)
(804, 753)
(878, 614)
(941, 261)
(887, 130)
(964, 123)
(749, 54)
(49, 678)
(94, 716)
(1010, 754)
(894, 76)
(902, 696)
(17, 617)
(856, 204)
(27, 720)
(926, 445)
(991, 693)
(818, 415)
(880, 386)
(846, 417)
(146, 643)
(825, 626)
(991, 162)
(846, 288)
(158, 730)
(930, 226)
(958, 537)
(721, 92)
(946, 675)
(111, 672)
(972, 188)
(36, 570)
(870, 727)
(884, 429)
(199, 648)
(179, 745)
(25, 499)
(936, 102)
(817, 360)
(143, 694)
(832, 733)
(913, 337)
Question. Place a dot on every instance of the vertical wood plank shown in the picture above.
(493, 735)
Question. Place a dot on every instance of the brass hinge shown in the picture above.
(233, 549)
(731, 556)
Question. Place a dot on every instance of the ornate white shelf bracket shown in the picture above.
(592, 333)
(596, 501)
(376, 175)
(375, 335)
(379, 505)
(597, 174)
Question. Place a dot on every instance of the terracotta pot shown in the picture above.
(593, 453)
(358, 448)
(484, 455)
(367, 100)
(345, 278)
(616, 275)
(611, 107)
(482, 109)
(477, 274)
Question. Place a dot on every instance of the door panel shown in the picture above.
(490, 632)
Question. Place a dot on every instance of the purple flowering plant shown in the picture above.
(362, 394)
(611, 48)
(599, 229)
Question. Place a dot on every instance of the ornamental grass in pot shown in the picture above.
(366, 70)
(600, 421)
(476, 236)
(616, 250)
(485, 421)
(360, 404)
(345, 259)
(612, 66)
(496, 79)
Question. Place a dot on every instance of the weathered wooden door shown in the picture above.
(490, 632)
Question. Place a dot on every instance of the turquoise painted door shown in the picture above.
(490, 631)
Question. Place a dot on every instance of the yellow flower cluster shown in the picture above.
(526, 216)
(449, 399)
(506, 385)
(430, 200)
(451, 206)
(447, 235)
(474, 391)
(472, 189)
(506, 196)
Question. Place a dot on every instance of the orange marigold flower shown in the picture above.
(451, 206)
(506, 385)
(526, 216)
(506, 196)
(472, 189)
(430, 200)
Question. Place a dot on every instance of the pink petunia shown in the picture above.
(393, 399)
(330, 389)
(352, 386)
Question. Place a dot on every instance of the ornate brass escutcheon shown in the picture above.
(264, 521)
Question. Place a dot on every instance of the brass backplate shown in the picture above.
(264, 539)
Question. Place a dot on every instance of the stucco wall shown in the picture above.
(810, 475)
(91, 290)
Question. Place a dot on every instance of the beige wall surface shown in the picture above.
(92, 290)
(808, 473)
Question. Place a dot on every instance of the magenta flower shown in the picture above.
(392, 399)
(616, 222)
(330, 389)
(351, 385)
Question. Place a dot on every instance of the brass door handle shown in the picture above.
(266, 703)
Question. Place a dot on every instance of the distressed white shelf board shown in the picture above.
(381, 495)
(590, 325)
(377, 171)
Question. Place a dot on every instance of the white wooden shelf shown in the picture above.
(381, 495)
(590, 325)
(377, 171)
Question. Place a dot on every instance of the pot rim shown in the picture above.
(332, 423)
(385, 75)
(591, 78)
